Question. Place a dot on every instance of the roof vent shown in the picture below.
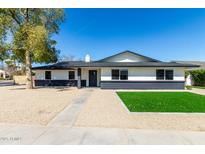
(87, 58)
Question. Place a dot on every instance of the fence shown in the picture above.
(19, 79)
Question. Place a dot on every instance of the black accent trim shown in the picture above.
(142, 84)
(71, 83)
(83, 83)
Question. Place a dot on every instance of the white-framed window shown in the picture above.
(71, 75)
(165, 74)
(119, 74)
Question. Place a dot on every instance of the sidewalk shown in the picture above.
(27, 134)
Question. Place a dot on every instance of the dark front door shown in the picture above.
(92, 78)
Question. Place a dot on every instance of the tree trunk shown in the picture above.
(29, 81)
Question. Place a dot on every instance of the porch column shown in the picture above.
(79, 78)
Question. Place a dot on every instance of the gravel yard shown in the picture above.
(36, 106)
(104, 109)
(101, 109)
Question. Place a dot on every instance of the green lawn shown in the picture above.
(163, 101)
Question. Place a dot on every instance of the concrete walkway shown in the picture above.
(198, 91)
(69, 115)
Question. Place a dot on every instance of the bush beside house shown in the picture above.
(194, 76)
(197, 76)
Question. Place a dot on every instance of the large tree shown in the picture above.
(27, 33)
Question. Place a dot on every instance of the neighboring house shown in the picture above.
(189, 81)
(125, 70)
(3, 74)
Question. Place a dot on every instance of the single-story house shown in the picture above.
(125, 70)
(189, 81)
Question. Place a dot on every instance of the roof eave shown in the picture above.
(72, 68)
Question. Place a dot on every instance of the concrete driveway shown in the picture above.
(65, 129)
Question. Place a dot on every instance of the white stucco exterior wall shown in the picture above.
(179, 74)
(40, 75)
(84, 75)
(104, 74)
(141, 73)
(55, 74)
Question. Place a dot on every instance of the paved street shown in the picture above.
(6, 82)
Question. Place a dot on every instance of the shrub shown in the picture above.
(198, 76)
(186, 74)
(189, 87)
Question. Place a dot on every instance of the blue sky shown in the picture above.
(164, 34)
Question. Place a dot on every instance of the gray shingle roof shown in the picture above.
(74, 64)
(134, 53)
(200, 63)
